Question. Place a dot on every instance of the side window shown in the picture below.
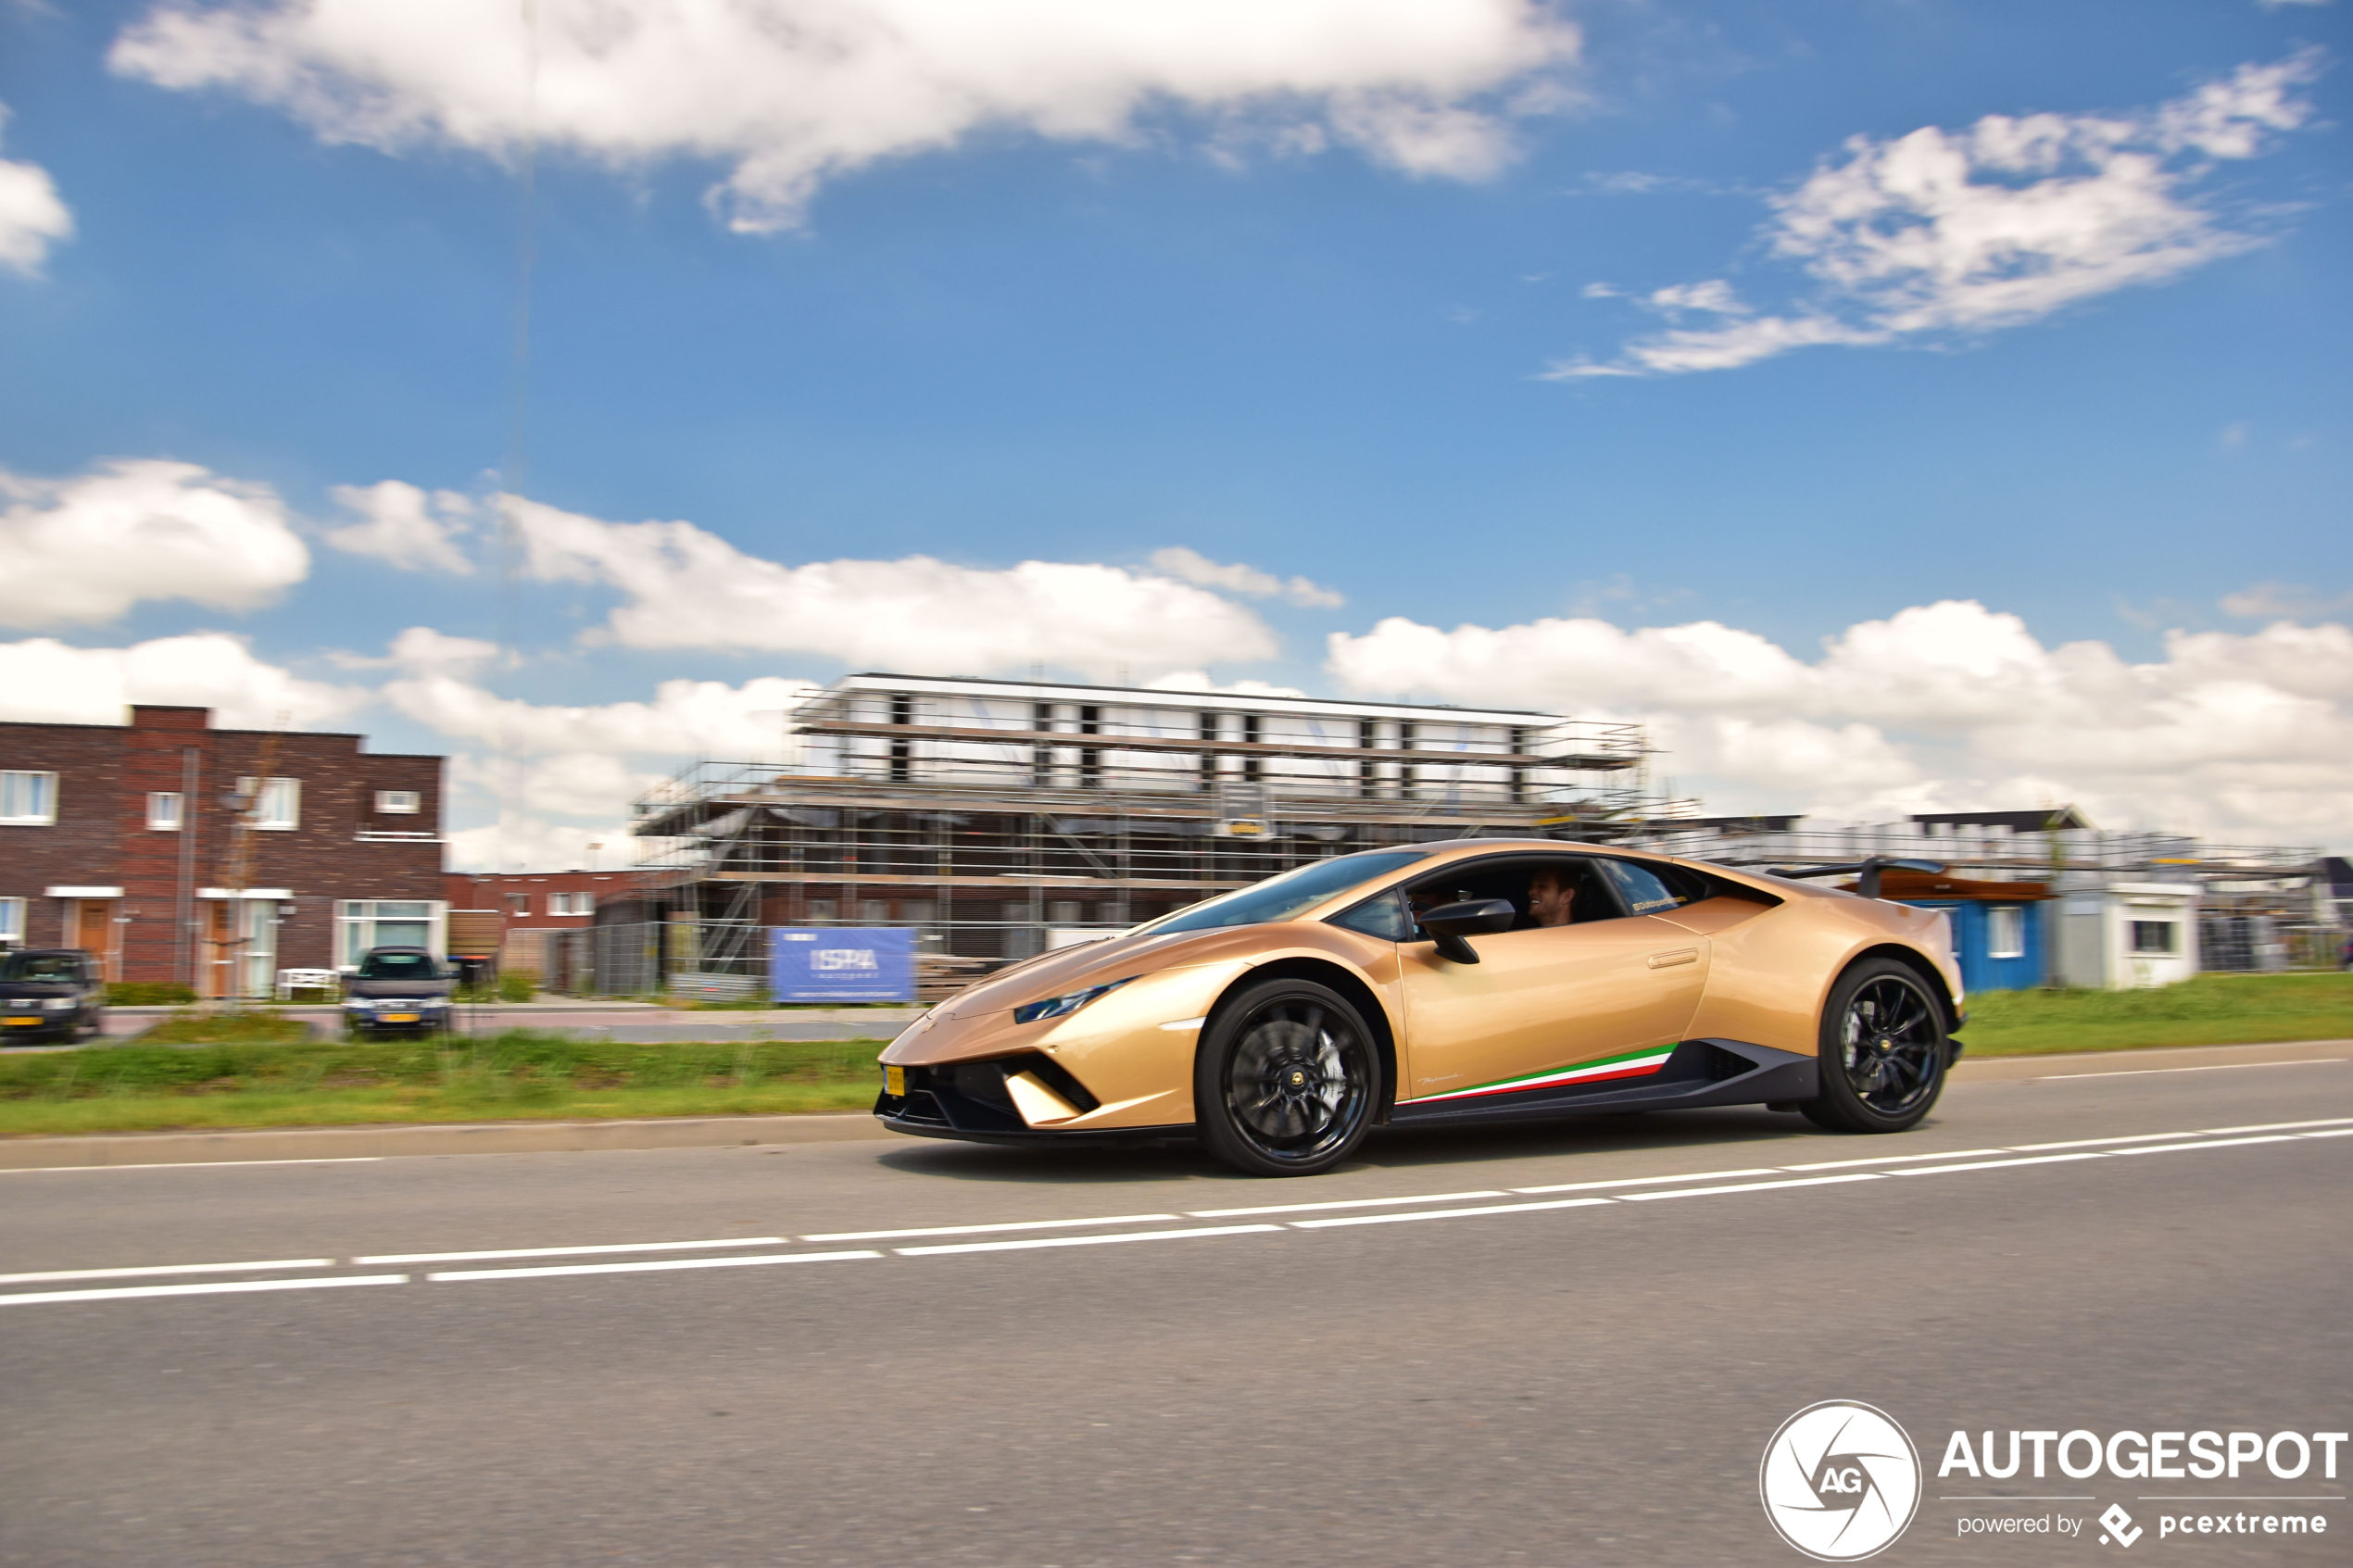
(1645, 891)
(1547, 890)
(1384, 918)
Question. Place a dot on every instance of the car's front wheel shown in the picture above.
(1884, 1051)
(1286, 1080)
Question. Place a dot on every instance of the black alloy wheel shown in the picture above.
(1884, 1051)
(1286, 1080)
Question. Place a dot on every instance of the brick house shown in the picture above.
(215, 858)
(533, 906)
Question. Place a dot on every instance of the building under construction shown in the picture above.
(997, 817)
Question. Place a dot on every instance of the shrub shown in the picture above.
(514, 987)
(148, 992)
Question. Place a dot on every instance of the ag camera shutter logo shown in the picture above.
(1840, 1481)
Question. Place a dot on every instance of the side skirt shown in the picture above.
(1701, 1073)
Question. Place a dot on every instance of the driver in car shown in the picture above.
(1550, 898)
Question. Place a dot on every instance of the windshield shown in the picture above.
(381, 965)
(1281, 897)
(41, 966)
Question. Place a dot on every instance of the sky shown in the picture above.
(1896, 405)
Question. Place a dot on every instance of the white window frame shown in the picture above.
(272, 805)
(16, 786)
(399, 802)
(12, 918)
(2172, 948)
(2012, 915)
(355, 921)
(167, 811)
(571, 904)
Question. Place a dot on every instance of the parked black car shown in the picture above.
(50, 993)
(399, 988)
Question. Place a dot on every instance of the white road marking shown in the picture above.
(2091, 1143)
(223, 1288)
(1447, 1213)
(168, 1269)
(2211, 1143)
(1652, 1181)
(570, 1251)
(2212, 1067)
(1339, 1203)
(2275, 1127)
(1753, 1186)
(658, 1265)
(1893, 1158)
(192, 1165)
(1083, 1240)
(980, 1230)
(2002, 1164)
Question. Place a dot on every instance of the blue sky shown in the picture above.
(1324, 310)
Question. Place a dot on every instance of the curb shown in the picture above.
(442, 1138)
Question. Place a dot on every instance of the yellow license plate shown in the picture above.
(397, 1018)
(895, 1081)
(21, 1022)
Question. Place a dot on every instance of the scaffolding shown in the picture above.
(1000, 819)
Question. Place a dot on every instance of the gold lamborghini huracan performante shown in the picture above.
(1450, 983)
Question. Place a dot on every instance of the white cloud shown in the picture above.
(402, 525)
(1192, 566)
(685, 587)
(2284, 601)
(32, 217)
(791, 94)
(48, 682)
(1950, 704)
(86, 549)
(1941, 234)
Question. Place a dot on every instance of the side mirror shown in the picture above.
(1450, 923)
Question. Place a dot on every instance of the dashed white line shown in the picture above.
(170, 1268)
(1652, 1181)
(1893, 1158)
(570, 1251)
(2089, 1143)
(2001, 1165)
(190, 1165)
(1445, 1213)
(2211, 1067)
(1751, 1186)
(981, 1230)
(2211, 1143)
(1339, 1203)
(657, 1265)
(234, 1288)
(1042, 1241)
(2276, 1127)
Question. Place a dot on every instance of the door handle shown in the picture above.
(1669, 960)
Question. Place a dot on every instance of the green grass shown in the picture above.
(519, 1074)
(189, 1027)
(2211, 1009)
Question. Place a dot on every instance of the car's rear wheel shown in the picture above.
(1286, 1079)
(1883, 1050)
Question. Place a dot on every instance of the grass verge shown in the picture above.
(2210, 1010)
(516, 1076)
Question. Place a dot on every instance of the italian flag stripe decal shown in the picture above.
(1632, 1065)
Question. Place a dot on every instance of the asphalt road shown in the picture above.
(1589, 1383)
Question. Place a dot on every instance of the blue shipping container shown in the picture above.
(841, 963)
(2000, 946)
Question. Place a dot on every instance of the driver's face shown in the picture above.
(1549, 900)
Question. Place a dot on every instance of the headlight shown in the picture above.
(59, 1004)
(1056, 1007)
(357, 1006)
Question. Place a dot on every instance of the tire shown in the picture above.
(1286, 1079)
(1884, 1051)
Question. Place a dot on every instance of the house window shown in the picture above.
(2004, 932)
(28, 799)
(12, 920)
(362, 924)
(164, 810)
(399, 802)
(571, 904)
(519, 905)
(276, 804)
(2154, 937)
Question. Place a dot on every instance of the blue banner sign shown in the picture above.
(842, 963)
